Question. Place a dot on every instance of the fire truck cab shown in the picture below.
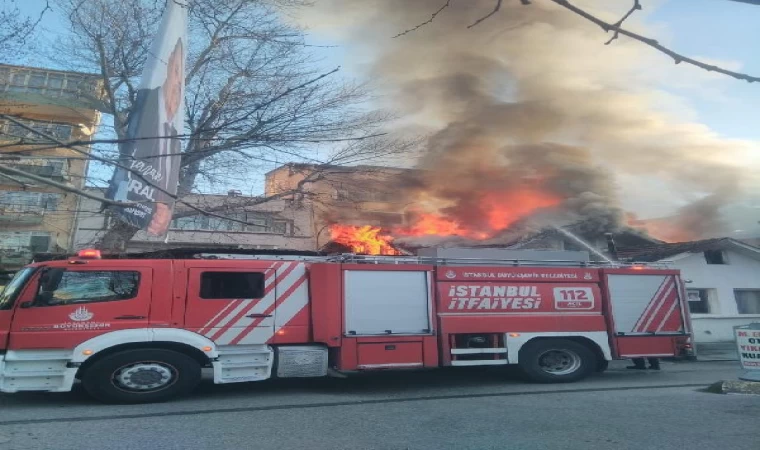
(142, 329)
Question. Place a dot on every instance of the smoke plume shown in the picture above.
(529, 107)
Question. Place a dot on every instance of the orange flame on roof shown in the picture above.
(493, 213)
(366, 239)
(429, 224)
(504, 209)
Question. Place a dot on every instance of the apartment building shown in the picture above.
(34, 216)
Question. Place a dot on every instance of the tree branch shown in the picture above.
(103, 60)
(636, 6)
(496, 9)
(677, 58)
(607, 27)
(420, 25)
(279, 97)
(17, 30)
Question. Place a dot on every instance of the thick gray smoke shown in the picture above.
(532, 101)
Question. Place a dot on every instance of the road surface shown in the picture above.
(455, 409)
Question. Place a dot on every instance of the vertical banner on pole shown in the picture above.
(152, 150)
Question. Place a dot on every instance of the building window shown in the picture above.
(747, 301)
(14, 131)
(36, 241)
(256, 224)
(56, 169)
(232, 285)
(359, 194)
(51, 84)
(279, 227)
(28, 202)
(699, 301)
(715, 257)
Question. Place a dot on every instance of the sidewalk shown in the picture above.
(717, 351)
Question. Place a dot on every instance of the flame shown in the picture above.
(429, 224)
(365, 239)
(504, 209)
(497, 211)
(493, 213)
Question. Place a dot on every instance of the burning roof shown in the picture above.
(531, 119)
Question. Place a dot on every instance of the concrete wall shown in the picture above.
(299, 234)
(741, 272)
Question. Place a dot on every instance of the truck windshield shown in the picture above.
(12, 289)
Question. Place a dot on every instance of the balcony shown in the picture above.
(26, 207)
(21, 218)
(18, 247)
(56, 169)
(48, 93)
(12, 132)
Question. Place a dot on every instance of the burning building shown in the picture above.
(382, 210)
(532, 123)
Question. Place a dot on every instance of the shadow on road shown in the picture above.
(375, 384)
(390, 383)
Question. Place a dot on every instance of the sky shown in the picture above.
(719, 30)
(714, 30)
(722, 32)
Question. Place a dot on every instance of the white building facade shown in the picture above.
(722, 284)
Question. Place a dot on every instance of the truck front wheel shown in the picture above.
(556, 361)
(141, 376)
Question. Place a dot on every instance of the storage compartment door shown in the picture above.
(646, 304)
(389, 355)
(648, 314)
(387, 302)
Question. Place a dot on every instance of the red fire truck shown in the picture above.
(141, 329)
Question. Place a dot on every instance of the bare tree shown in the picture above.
(16, 27)
(253, 93)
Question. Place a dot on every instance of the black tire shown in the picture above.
(602, 365)
(155, 375)
(556, 361)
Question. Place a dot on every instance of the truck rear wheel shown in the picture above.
(141, 376)
(556, 361)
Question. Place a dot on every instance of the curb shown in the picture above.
(735, 387)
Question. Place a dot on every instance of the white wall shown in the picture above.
(741, 272)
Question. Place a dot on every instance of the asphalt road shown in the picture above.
(455, 409)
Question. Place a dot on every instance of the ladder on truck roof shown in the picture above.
(372, 259)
